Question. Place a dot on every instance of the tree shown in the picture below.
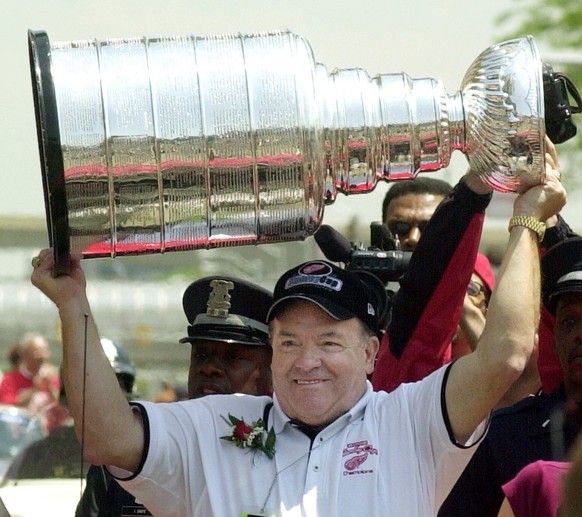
(556, 26)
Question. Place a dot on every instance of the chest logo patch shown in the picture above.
(356, 454)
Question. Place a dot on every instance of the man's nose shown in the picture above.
(308, 358)
(410, 240)
(577, 331)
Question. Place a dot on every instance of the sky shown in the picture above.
(438, 39)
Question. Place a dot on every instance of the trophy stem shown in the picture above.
(456, 112)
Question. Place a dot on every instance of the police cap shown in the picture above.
(222, 308)
(561, 271)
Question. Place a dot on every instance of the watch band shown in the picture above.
(531, 223)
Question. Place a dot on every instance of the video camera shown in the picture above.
(382, 258)
(558, 111)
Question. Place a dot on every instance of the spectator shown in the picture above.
(34, 382)
(58, 455)
(230, 354)
(192, 457)
(477, 298)
(536, 491)
(408, 206)
(438, 276)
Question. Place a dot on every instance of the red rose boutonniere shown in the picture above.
(251, 436)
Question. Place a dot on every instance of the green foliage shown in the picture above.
(555, 22)
(556, 26)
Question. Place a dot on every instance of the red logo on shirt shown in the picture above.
(359, 453)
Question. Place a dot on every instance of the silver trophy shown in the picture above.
(178, 143)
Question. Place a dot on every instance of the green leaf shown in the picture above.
(233, 420)
(271, 439)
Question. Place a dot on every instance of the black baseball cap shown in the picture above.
(227, 309)
(561, 271)
(342, 293)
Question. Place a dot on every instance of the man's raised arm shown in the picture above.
(478, 380)
(110, 432)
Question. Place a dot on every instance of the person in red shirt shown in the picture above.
(420, 337)
(536, 491)
(434, 299)
(34, 382)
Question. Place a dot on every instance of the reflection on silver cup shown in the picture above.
(186, 142)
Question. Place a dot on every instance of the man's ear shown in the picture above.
(372, 347)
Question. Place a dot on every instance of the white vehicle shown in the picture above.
(41, 497)
(46, 478)
(18, 429)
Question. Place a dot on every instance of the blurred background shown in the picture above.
(137, 300)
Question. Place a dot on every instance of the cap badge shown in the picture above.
(218, 303)
(316, 274)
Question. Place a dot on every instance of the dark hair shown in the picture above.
(15, 355)
(416, 186)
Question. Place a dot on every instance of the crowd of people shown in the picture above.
(466, 400)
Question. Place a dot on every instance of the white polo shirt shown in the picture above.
(391, 455)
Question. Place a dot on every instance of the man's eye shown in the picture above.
(332, 346)
(233, 358)
(566, 322)
(288, 344)
(399, 228)
(200, 356)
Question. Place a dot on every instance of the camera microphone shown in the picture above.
(333, 244)
(387, 265)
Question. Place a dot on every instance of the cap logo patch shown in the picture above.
(315, 268)
(315, 274)
(572, 275)
(218, 303)
(371, 309)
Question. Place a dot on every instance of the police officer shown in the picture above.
(229, 337)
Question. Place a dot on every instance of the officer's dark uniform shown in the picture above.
(521, 434)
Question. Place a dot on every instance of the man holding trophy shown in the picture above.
(325, 443)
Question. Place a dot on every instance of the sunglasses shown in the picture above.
(474, 288)
(402, 229)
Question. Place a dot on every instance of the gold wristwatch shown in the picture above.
(531, 223)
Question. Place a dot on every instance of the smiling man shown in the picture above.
(325, 443)
(322, 353)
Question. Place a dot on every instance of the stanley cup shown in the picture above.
(177, 143)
